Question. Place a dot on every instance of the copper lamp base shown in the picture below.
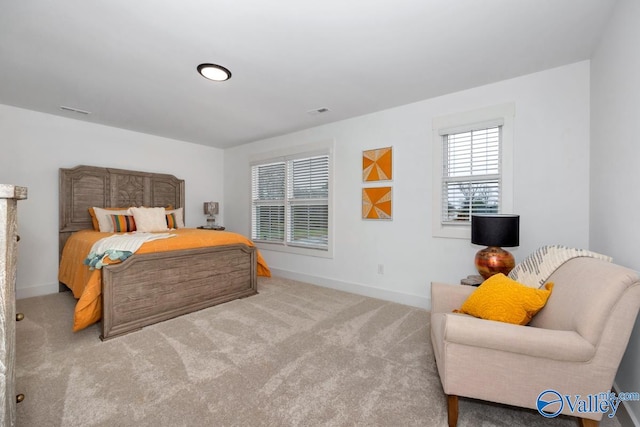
(494, 260)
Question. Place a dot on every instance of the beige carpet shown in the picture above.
(294, 355)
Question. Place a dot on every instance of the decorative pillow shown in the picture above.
(505, 300)
(179, 217)
(149, 219)
(94, 220)
(103, 217)
(123, 223)
(171, 221)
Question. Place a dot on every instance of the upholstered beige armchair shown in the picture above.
(573, 346)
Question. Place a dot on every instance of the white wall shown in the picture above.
(551, 164)
(33, 146)
(615, 156)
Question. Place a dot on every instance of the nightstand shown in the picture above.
(211, 227)
(472, 280)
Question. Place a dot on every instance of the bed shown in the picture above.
(154, 284)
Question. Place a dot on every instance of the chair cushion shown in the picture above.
(505, 300)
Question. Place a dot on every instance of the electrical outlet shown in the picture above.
(380, 269)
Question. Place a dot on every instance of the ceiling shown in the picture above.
(132, 64)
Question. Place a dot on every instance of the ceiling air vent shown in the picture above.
(74, 110)
(318, 111)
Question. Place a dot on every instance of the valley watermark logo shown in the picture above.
(551, 403)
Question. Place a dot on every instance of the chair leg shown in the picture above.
(452, 407)
(584, 422)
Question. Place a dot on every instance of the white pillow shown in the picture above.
(104, 219)
(179, 213)
(149, 219)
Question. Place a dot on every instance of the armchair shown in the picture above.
(573, 345)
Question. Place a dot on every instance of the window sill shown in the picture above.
(276, 247)
(462, 231)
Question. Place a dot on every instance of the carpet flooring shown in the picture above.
(293, 355)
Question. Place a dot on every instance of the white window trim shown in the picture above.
(485, 117)
(295, 152)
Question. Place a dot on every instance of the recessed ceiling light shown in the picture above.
(214, 72)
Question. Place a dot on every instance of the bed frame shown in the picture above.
(150, 288)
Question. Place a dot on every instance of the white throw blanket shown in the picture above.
(535, 269)
(119, 247)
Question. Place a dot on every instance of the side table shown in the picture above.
(211, 227)
(472, 280)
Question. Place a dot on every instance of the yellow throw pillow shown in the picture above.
(505, 300)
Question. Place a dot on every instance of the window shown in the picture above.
(470, 174)
(472, 168)
(291, 203)
(308, 201)
(268, 188)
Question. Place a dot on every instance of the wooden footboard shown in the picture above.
(150, 288)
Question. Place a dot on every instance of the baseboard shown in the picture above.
(624, 415)
(36, 291)
(355, 288)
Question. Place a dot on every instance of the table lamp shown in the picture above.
(211, 210)
(495, 231)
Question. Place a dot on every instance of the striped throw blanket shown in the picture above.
(119, 247)
(535, 269)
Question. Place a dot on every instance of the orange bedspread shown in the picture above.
(86, 284)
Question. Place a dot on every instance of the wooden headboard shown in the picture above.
(85, 186)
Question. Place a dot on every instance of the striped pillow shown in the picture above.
(123, 223)
(179, 213)
(172, 222)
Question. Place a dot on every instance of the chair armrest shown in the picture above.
(446, 298)
(535, 342)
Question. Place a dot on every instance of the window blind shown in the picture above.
(268, 202)
(471, 181)
(290, 202)
(308, 197)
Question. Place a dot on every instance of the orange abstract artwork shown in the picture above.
(376, 203)
(377, 165)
